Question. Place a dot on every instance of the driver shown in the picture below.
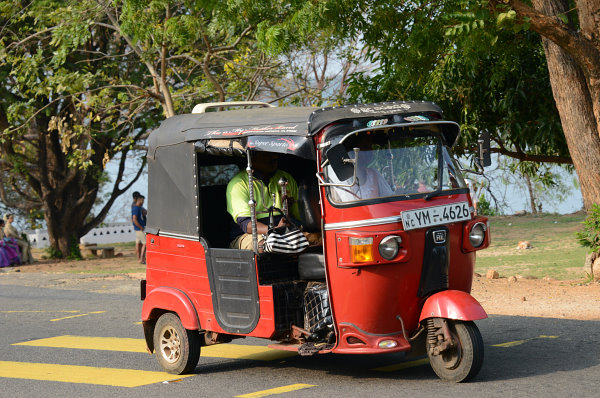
(266, 182)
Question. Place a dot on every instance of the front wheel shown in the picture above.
(177, 349)
(458, 359)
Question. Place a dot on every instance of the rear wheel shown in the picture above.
(461, 359)
(177, 349)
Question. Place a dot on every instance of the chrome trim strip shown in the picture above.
(178, 236)
(363, 223)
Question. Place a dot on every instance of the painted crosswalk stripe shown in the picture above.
(83, 374)
(519, 342)
(402, 365)
(230, 351)
(275, 391)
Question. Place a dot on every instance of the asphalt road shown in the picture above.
(524, 356)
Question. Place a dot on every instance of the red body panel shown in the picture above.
(452, 304)
(181, 264)
(372, 297)
(173, 300)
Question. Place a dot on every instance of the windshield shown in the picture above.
(395, 162)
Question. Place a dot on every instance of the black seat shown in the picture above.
(311, 266)
(308, 204)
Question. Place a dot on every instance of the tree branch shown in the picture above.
(582, 49)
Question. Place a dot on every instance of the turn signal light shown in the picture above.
(361, 249)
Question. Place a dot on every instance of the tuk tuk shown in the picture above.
(377, 182)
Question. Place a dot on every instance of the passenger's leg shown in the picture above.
(244, 242)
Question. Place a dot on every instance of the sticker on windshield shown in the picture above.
(416, 118)
(378, 122)
(435, 215)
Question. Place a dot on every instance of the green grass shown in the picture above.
(555, 253)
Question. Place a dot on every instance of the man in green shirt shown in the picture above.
(266, 183)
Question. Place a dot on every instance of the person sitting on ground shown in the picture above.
(138, 218)
(266, 182)
(11, 232)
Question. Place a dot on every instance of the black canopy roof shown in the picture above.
(173, 195)
(280, 122)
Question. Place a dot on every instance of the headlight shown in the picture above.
(388, 248)
(477, 234)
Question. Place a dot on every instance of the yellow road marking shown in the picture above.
(403, 365)
(274, 391)
(83, 374)
(519, 342)
(231, 351)
(75, 316)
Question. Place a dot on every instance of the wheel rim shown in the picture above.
(450, 359)
(170, 345)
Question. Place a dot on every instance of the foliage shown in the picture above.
(459, 55)
(485, 208)
(53, 252)
(74, 251)
(86, 81)
(590, 236)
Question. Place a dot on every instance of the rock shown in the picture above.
(477, 275)
(523, 298)
(589, 262)
(492, 274)
(596, 268)
(512, 279)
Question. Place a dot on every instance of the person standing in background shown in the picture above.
(138, 218)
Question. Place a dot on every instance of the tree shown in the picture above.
(85, 82)
(454, 53)
(571, 37)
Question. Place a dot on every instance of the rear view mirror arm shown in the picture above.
(354, 176)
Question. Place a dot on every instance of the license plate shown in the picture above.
(435, 215)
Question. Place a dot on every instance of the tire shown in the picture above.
(462, 362)
(177, 349)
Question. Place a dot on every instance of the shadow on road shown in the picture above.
(515, 347)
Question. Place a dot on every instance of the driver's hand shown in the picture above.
(282, 223)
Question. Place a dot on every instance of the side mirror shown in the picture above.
(485, 158)
(342, 165)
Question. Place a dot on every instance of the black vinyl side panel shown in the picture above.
(436, 259)
(232, 278)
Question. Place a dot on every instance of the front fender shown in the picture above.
(173, 300)
(452, 304)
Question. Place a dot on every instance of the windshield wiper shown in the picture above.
(433, 194)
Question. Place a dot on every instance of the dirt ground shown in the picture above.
(504, 296)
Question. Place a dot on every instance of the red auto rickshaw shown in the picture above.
(378, 182)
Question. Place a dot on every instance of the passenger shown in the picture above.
(370, 183)
(138, 218)
(266, 182)
(11, 232)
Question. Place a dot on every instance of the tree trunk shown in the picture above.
(574, 98)
(531, 194)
